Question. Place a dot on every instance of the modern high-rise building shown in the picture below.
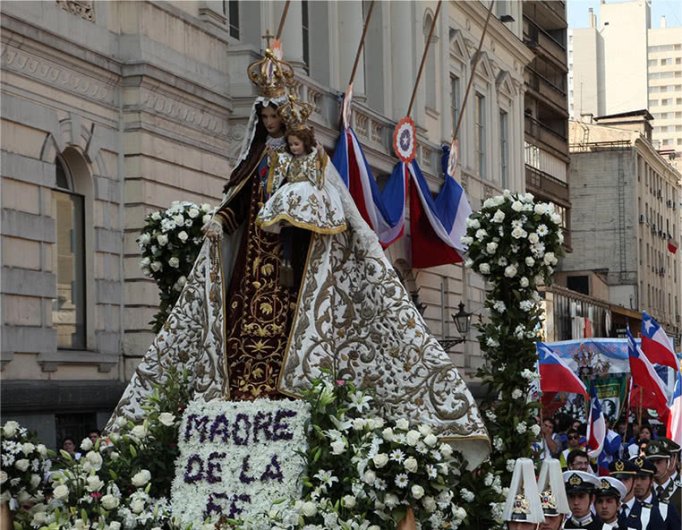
(621, 64)
(546, 106)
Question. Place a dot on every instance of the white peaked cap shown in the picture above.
(523, 483)
(552, 480)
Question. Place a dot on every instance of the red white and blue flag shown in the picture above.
(644, 375)
(438, 223)
(596, 426)
(674, 427)
(555, 374)
(383, 210)
(656, 344)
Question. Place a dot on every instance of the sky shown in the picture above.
(578, 9)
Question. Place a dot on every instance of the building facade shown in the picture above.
(626, 222)
(111, 110)
(604, 81)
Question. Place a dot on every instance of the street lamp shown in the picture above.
(462, 320)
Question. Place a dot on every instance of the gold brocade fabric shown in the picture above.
(258, 312)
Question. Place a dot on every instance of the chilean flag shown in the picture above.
(437, 224)
(596, 426)
(644, 376)
(555, 375)
(384, 211)
(674, 429)
(656, 344)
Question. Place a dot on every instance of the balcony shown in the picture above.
(539, 132)
(542, 43)
(550, 15)
(543, 89)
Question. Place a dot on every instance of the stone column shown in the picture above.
(351, 20)
(402, 57)
(292, 34)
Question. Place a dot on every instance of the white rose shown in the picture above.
(179, 220)
(510, 271)
(35, 480)
(338, 447)
(60, 492)
(402, 424)
(446, 449)
(391, 500)
(348, 501)
(162, 239)
(517, 206)
(27, 448)
(10, 429)
(387, 434)
(411, 464)
(484, 268)
(308, 509)
(3, 476)
(137, 505)
(141, 478)
(431, 440)
(145, 239)
(459, 513)
(498, 217)
(369, 477)
(516, 393)
(86, 444)
(535, 429)
(491, 247)
(109, 502)
(156, 266)
(429, 504)
(114, 525)
(166, 418)
(193, 213)
(533, 238)
(42, 450)
(139, 431)
(550, 258)
(412, 437)
(95, 459)
(481, 233)
(417, 491)
(174, 262)
(524, 281)
(182, 236)
(94, 483)
(22, 464)
(205, 207)
(518, 232)
(156, 216)
(380, 460)
(467, 495)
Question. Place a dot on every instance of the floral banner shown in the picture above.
(238, 458)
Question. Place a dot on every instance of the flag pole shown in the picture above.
(426, 51)
(282, 19)
(473, 70)
(361, 45)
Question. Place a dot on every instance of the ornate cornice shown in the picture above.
(51, 73)
(83, 8)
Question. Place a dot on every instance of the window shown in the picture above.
(504, 149)
(479, 126)
(305, 29)
(68, 309)
(231, 11)
(455, 99)
(430, 83)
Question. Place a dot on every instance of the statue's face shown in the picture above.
(296, 145)
(271, 121)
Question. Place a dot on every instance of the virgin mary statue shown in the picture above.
(242, 335)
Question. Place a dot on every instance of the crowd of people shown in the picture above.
(633, 484)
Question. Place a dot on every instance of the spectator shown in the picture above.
(577, 460)
(549, 445)
(69, 445)
(573, 443)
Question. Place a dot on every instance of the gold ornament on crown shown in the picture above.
(271, 74)
(295, 113)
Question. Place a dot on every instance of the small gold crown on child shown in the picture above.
(295, 113)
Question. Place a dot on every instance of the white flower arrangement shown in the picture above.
(169, 243)
(25, 463)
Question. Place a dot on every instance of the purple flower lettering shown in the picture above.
(262, 422)
(243, 476)
(273, 471)
(280, 430)
(220, 428)
(197, 423)
(214, 466)
(241, 422)
(194, 470)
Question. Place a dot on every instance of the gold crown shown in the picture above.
(295, 114)
(272, 74)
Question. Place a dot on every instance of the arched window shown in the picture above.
(68, 259)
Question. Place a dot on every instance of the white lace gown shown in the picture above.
(303, 196)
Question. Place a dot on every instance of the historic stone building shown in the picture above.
(111, 110)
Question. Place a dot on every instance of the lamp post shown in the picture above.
(462, 320)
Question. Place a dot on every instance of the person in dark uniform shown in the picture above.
(608, 501)
(625, 471)
(647, 513)
(667, 484)
(580, 488)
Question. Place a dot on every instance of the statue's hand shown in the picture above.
(213, 230)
